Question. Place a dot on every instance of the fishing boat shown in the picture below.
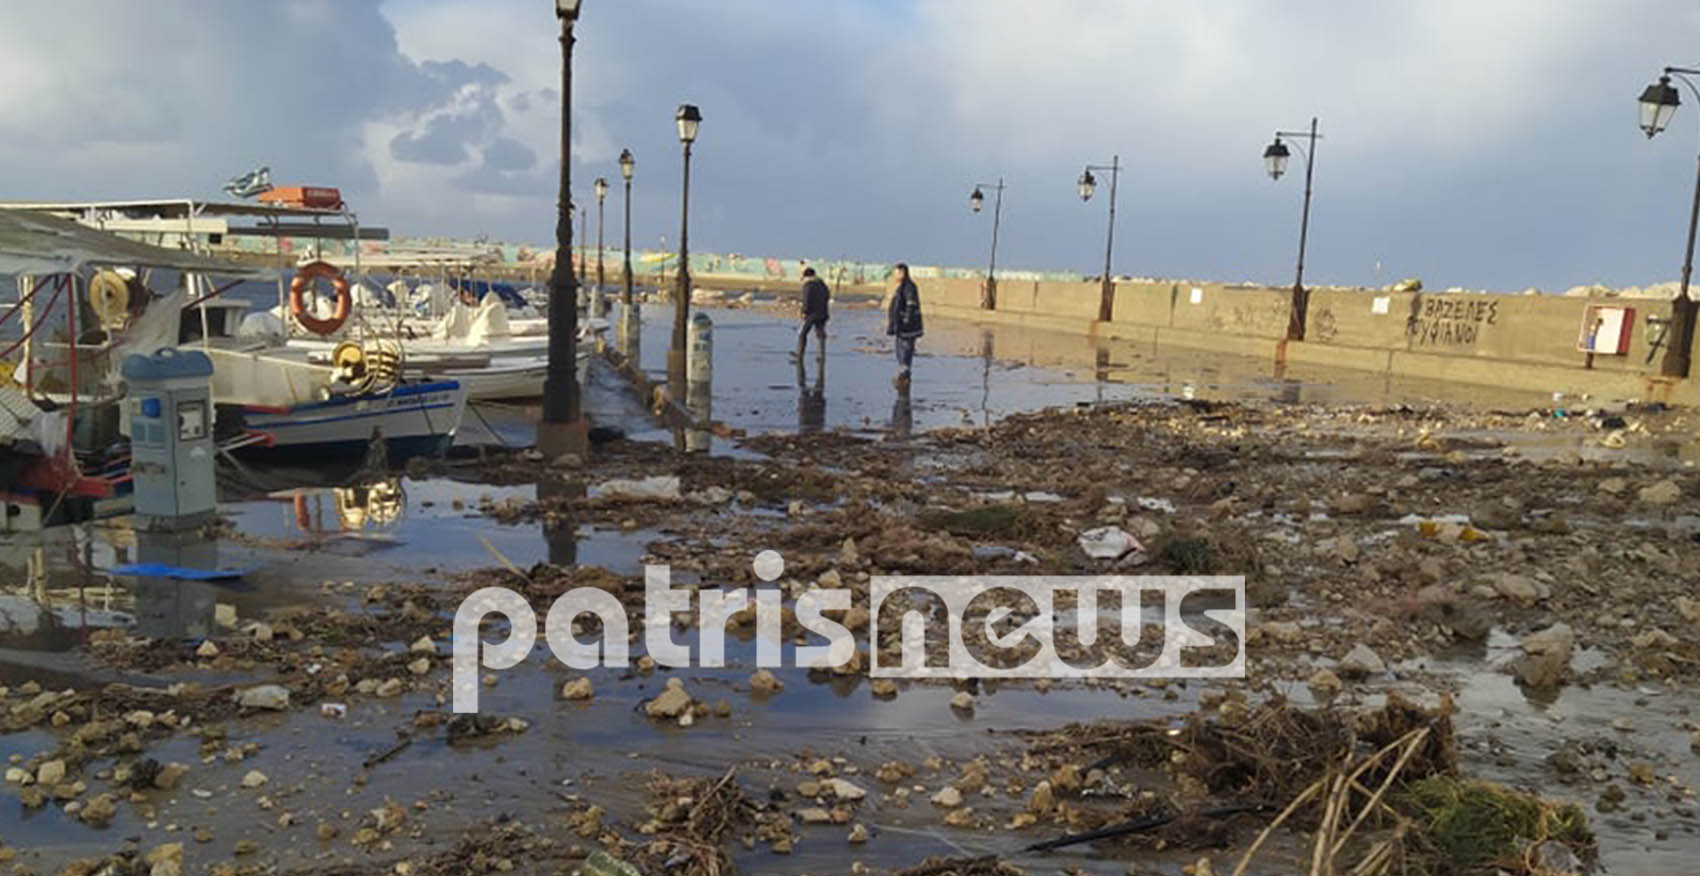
(413, 419)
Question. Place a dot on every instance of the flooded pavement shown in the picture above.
(1443, 539)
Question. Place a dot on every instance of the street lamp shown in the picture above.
(1658, 105)
(562, 429)
(1275, 161)
(989, 295)
(583, 260)
(688, 119)
(601, 194)
(627, 166)
(1086, 185)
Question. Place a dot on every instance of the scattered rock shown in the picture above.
(1324, 684)
(1662, 493)
(1361, 661)
(254, 779)
(50, 773)
(765, 683)
(271, 697)
(963, 701)
(1546, 656)
(672, 702)
(947, 798)
(578, 689)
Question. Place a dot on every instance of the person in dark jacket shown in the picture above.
(903, 321)
(815, 299)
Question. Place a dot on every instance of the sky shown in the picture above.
(1489, 144)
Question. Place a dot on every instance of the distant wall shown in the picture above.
(1524, 341)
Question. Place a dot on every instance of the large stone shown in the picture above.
(1546, 656)
(271, 697)
(1662, 493)
(1520, 589)
(50, 773)
(765, 683)
(1361, 661)
(670, 703)
(578, 689)
(947, 798)
(1495, 515)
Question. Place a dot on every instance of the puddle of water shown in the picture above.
(1507, 734)
(431, 524)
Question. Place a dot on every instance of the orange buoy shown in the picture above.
(304, 277)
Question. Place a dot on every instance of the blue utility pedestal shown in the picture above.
(171, 440)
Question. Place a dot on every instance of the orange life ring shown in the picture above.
(304, 276)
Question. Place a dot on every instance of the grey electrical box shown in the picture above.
(171, 440)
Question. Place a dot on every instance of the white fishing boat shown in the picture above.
(415, 419)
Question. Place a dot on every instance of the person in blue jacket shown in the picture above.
(903, 321)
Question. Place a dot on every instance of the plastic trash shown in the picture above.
(1109, 543)
(1000, 552)
(272, 697)
(655, 488)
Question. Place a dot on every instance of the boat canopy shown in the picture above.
(36, 243)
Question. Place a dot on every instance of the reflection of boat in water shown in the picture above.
(376, 505)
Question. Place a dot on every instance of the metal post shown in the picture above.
(583, 260)
(562, 429)
(1677, 360)
(990, 300)
(682, 289)
(1107, 298)
(1301, 297)
(597, 306)
(627, 297)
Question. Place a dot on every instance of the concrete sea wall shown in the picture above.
(1523, 342)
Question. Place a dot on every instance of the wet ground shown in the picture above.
(323, 549)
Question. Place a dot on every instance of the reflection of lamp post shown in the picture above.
(562, 429)
(1275, 159)
(989, 298)
(583, 262)
(1086, 184)
(627, 166)
(1658, 106)
(688, 118)
(601, 195)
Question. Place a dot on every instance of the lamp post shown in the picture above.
(688, 119)
(1658, 105)
(989, 296)
(1086, 185)
(601, 195)
(562, 429)
(627, 166)
(1275, 160)
(583, 261)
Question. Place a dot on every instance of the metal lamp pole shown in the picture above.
(989, 298)
(688, 119)
(1658, 105)
(1086, 185)
(562, 429)
(583, 261)
(1275, 158)
(627, 166)
(601, 195)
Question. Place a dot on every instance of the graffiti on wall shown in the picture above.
(1449, 321)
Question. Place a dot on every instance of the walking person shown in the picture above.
(815, 299)
(903, 322)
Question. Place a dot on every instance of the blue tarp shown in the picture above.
(161, 570)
